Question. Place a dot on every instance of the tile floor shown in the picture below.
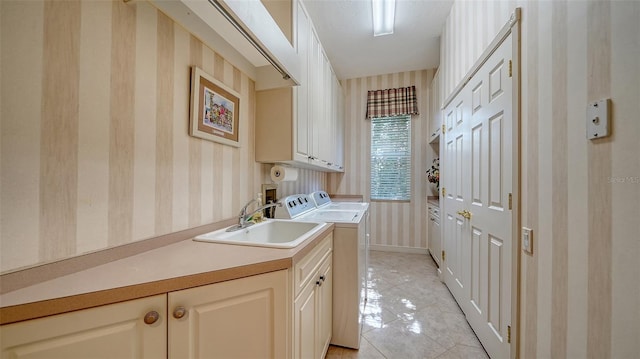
(410, 313)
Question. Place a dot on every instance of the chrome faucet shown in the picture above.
(243, 217)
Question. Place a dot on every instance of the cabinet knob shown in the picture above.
(318, 283)
(322, 278)
(151, 317)
(179, 312)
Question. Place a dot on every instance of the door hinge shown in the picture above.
(443, 129)
(510, 68)
(444, 192)
(510, 200)
(508, 334)
(443, 256)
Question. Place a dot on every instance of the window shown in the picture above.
(391, 158)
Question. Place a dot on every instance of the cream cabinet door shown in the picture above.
(111, 331)
(302, 94)
(435, 241)
(324, 293)
(304, 327)
(313, 314)
(243, 318)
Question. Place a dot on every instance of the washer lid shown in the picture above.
(334, 216)
(356, 206)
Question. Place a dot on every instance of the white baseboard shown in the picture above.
(384, 248)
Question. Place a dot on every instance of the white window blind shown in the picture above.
(391, 158)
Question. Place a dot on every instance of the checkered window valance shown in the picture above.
(392, 102)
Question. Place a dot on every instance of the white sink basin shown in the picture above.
(270, 233)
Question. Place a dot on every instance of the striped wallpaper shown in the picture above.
(94, 144)
(395, 225)
(308, 181)
(580, 294)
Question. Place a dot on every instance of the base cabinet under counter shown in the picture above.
(245, 317)
(281, 314)
(313, 302)
(132, 329)
(435, 234)
(242, 318)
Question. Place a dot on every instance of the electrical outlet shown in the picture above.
(527, 240)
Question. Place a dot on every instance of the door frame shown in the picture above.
(512, 26)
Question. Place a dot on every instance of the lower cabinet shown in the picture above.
(251, 317)
(242, 318)
(435, 237)
(313, 303)
(112, 331)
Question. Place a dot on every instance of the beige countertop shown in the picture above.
(177, 266)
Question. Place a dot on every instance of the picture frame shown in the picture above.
(215, 110)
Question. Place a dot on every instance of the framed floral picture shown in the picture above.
(215, 109)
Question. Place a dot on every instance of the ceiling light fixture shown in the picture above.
(384, 13)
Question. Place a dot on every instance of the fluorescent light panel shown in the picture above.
(384, 13)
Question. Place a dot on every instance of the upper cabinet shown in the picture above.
(303, 125)
(435, 102)
(245, 33)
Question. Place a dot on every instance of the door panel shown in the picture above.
(476, 267)
(476, 98)
(496, 155)
(459, 151)
(476, 164)
(496, 284)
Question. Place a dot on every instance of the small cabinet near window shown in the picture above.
(132, 329)
(435, 101)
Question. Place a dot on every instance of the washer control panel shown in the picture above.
(321, 198)
(295, 205)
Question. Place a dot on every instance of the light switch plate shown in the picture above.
(598, 121)
(527, 240)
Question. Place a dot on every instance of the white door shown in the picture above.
(455, 186)
(478, 228)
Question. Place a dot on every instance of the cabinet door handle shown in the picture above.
(322, 278)
(179, 312)
(151, 317)
(319, 283)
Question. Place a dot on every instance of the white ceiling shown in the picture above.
(345, 29)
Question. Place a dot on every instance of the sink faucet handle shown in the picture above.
(243, 211)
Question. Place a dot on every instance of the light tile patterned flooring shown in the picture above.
(410, 313)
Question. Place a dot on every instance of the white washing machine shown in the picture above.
(322, 200)
(350, 248)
